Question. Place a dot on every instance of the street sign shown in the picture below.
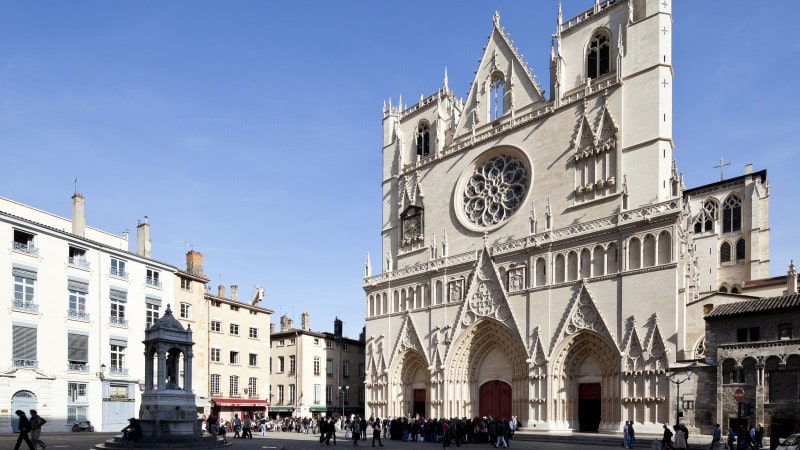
(738, 394)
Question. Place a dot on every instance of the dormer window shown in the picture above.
(23, 242)
(598, 58)
(423, 139)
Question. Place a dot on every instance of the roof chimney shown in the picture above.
(234, 292)
(748, 169)
(221, 291)
(271, 328)
(78, 216)
(337, 327)
(143, 244)
(290, 322)
(284, 323)
(304, 321)
(194, 263)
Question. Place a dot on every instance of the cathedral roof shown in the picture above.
(769, 304)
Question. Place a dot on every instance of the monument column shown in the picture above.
(187, 371)
(162, 368)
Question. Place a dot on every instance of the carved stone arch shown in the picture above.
(634, 253)
(648, 250)
(408, 372)
(664, 247)
(488, 349)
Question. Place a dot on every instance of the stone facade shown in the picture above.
(539, 256)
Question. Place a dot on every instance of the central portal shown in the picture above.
(589, 407)
(495, 400)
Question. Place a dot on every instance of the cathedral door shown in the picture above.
(419, 402)
(495, 400)
(589, 407)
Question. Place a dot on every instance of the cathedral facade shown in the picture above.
(541, 254)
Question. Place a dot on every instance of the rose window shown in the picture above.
(495, 190)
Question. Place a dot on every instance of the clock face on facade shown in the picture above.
(492, 190)
(412, 227)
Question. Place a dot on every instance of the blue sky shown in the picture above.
(252, 129)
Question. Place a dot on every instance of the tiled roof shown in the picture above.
(768, 304)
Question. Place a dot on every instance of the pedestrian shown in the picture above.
(376, 432)
(753, 442)
(237, 426)
(666, 440)
(356, 430)
(36, 428)
(24, 427)
(133, 431)
(263, 427)
(631, 435)
(760, 435)
(716, 436)
(680, 437)
(731, 438)
(626, 439)
(246, 428)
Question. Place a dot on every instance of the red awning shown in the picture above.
(240, 402)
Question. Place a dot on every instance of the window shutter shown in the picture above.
(118, 295)
(152, 300)
(78, 286)
(24, 343)
(24, 272)
(78, 347)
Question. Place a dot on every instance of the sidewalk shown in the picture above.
(643, 440)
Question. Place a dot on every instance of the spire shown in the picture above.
(367, 267)
(496, 19)
(791, 279)
(559, 21)
(446, 88)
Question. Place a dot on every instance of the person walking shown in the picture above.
(24, 427)
(376, 432)
(666, 440)
(731, 438)
(631, 435)
(626, 439)
(356, 432)
(36, 428)
(237, 426)
(716, 436)
(680, 437)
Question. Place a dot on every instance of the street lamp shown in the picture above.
(678, 383)
(343, 391)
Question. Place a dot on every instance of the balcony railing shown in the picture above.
(119, 321)
(118, 272)
(31, 363)
(77, 314)
(113, 370)
(24, 306)
(152, 282)
(25, 247)
(79, 262)
(78, 367)
(234, 394)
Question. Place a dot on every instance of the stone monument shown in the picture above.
(168, 414)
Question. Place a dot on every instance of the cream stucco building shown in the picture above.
(541, 255)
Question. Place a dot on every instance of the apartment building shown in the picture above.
(78, 304)
(237, 344)
(315, 373)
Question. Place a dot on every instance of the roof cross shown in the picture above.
(721, 167)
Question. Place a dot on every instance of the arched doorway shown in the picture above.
(24, 400)
(495, 400)
(413, 376)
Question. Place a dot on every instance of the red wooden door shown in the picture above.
(495, 400)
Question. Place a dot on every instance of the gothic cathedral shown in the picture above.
(540, 253)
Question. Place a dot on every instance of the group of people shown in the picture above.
(32, 426)
(746, 439)
(681, 437)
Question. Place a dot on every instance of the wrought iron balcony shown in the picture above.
(118, 272)
(119, 321)
(30, 363)
(77, 314)
(24, 306)
(78, 367)
(25, 247)
(114, 370)
(151, 281)
(79, 262)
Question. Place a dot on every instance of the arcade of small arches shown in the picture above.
(645, 251)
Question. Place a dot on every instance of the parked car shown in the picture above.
(790, 443)
(83, 425)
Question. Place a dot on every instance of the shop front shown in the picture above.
(228, 407)
(279, 412)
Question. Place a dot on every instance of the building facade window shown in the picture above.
(329, 367)
(732, 214)
(280, 364)
(496, 92)
(151, 313)
(152, 277)
(234, 386)
(598, 59)
(77, 305)
(741, 248)
(234, 329)
(117, 354)
(252, 387)
(706, 218)
(216, 354)
(316, 365)
(24, 243)
(291, 394)
(748, 334)
(24, 289)
(346, 369)
(253, 332)
(292, 364)
(317, 394)
(329, 394)
(186, 311)
(725, 252)
(280, 394)
(118, 391)
(78, 352)
(118, 300)
(77, 257)
(186, 284)
(214, 384)
(119, 268)
(234, 357)
(253, 360)
(216, 326)
(77, 393)
(24, 346)
(423, 139)
(361, 370)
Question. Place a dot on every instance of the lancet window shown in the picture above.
(423, 139)
(732, 214)
(496, 93)
(598, 59)
(705, 220)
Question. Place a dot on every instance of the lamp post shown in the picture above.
(342, 391)
(678, 383)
